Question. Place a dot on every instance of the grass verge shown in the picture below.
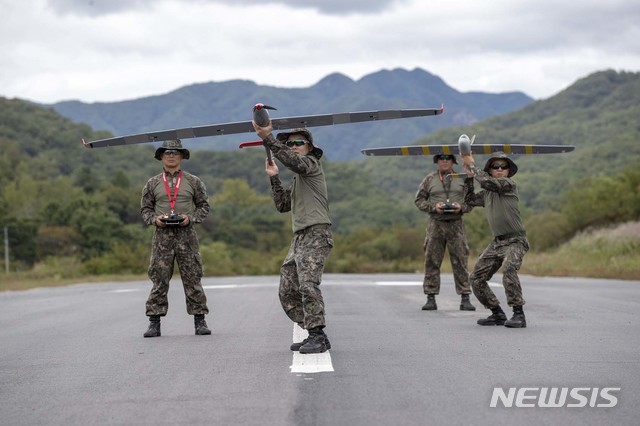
(603, 253)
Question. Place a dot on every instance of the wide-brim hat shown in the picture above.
(435, 158)
(499, 155)
(172, 144)
(284, 136)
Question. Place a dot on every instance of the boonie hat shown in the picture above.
(499, 155)
(435, 158)
(283, 136)
(172, 144)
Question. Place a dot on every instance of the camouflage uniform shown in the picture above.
(500, 198)
(175, 243)
(507, 253)
(301, 273)
(307, 199)
(444, 231)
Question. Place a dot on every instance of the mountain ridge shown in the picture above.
(221, 102)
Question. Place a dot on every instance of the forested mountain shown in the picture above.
(230, 101)
(76, 209)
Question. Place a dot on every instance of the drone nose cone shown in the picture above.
(464, 145)
(259, 107)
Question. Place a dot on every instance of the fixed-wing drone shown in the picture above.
(466, 146)
(261, 114)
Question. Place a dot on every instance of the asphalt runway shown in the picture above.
(76, 356)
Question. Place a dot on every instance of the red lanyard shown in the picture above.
(446, 184)
(172, 199)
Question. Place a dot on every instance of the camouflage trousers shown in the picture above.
(508, 254)
(301, 273)
(179, 245)
(441, 235)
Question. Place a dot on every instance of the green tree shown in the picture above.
(547, 230)
(22, 240)
(601, 201)
(243, 218)
(87, 179)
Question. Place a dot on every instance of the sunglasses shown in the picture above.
(445, 157)
(171, 152)
(297, 142)
(500, 167)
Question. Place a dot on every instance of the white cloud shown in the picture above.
(99, 50)
(328, 7)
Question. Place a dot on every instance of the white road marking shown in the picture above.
(245, 285)
(221, 286)
(398, 283)
(408, 283)
(210, 287)
(308, 363)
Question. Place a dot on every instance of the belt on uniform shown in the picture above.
(312, 227)
(452, 219)
(511, 235)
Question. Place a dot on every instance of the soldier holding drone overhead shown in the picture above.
(499, 196)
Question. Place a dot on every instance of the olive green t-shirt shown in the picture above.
(499, 197)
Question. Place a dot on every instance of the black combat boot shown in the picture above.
(154, 327)
(498, 317)
(431, 303)
(517, 320)
(296, 346)
(465, 304)
(315, 342)
(201, 325)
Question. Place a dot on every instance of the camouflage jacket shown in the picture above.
(499, 196)
(307, 197)
(432, 191)
(192, 200)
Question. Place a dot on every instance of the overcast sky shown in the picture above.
(110, 50)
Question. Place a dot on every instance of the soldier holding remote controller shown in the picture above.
(443, 199)
(174, 201)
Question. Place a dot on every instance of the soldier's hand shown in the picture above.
(439, 208)
(159, 223)
(271, 168)
(458, 208)
(185, 221)
(467, 159)
(263, 132)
